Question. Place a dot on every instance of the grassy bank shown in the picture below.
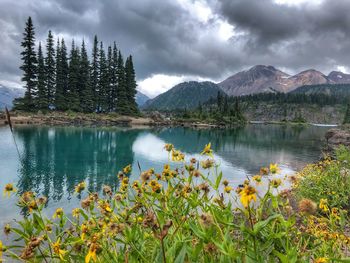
(193, 214)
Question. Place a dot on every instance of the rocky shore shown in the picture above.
(336, 137)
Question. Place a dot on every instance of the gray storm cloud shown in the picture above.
(165, 37)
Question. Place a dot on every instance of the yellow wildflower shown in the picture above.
(75, 212)
(248, 193)
(275, 183)
(274, 168)
(92, 253)
(168, 147)
(257, 179)
(127, 169)
(207, 163)
(57, 249)
(228, 189)
(80, 187)
(177, 156)
(58, 213)
(335, 213)
(207, 150)
(125, 181)
(9, 188)
(321, 260)
(324, 205)
(1, 249)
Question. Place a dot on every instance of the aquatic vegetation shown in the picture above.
(189, 213)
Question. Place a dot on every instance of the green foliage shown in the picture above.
(329, 179)
(182, 214)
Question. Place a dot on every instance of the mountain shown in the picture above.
(7, 95)
(336, 90)
(262, 78)
(141, 98)
(186, 95)
(339, 77)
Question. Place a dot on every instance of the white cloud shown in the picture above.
(343, 69)
(159, 83)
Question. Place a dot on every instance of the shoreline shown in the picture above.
(96, 120)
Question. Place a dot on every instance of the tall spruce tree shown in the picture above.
(85, 91)
(103, 82)
(130, 84)
(29, 68)
(42, 98)
(122, 99)
(73, 79)
(114, 78)
(61, 102)
(95, 72)
(110, 79)
(50, 69)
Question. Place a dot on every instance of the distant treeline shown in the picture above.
(325, 94)
(62, 81)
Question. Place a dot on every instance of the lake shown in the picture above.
(52, 160)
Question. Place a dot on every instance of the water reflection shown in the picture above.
(54, 160)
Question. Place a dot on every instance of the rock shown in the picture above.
(335, 138)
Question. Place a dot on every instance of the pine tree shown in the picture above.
(61, 102)
(130, 85)
(110, 73)
(29, 68)
(122, 99)
(114, 78)
(50, 68)
(103, 82)
(73, 79)
(42, 98)
(95, 72)
(85, 91)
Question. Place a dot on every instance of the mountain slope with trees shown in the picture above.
(186, 95)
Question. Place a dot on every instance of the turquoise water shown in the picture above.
(52, 160)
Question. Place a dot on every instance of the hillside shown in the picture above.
(141, 98)
(7, 95)
(337, 90)
(186, 95)
(260, 79)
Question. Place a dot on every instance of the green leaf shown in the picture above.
(262, 224)
(218, 180)
(181, 256)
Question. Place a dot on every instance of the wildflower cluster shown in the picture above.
(187, 212)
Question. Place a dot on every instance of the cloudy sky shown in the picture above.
(178, 40)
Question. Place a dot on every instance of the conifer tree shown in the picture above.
(29, 68)
(130, 85)
(50, 68)
(110, 79)
(42, 98)
(61, 102)
(95, 72)
(103, 81)
(73, 79)
(114, 78)
(85, 91)
(122, 99)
